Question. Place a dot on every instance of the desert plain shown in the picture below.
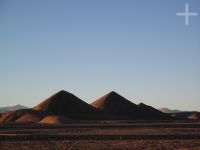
(101, 135)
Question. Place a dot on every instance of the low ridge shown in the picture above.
(187, 115)
(53, 119)
(194, 116)
(23, 116)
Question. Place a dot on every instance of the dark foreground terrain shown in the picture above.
(108, 135)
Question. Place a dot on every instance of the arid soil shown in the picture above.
(99, 136)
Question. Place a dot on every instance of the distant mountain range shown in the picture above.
(63, 107)
(12, 108)
(191, 115)
(168, 111)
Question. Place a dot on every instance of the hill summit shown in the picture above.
(66, 104)
(117, 105)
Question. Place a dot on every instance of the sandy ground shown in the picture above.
(117, 136)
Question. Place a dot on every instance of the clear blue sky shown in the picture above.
(139, 48)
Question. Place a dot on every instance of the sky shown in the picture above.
(138, 48)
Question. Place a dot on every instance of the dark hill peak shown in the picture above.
(57, 100)
(115, 104)
(112, 93)
(142, 104)
(62, 93)
(118, 106)
(111, 99)
(66, 104)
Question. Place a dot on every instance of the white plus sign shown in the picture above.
(186, 14)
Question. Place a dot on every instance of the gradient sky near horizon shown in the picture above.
(138, 48)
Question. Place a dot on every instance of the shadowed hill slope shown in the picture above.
(151, 113)
(66, 104)
(120, 107)
(116, 105)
